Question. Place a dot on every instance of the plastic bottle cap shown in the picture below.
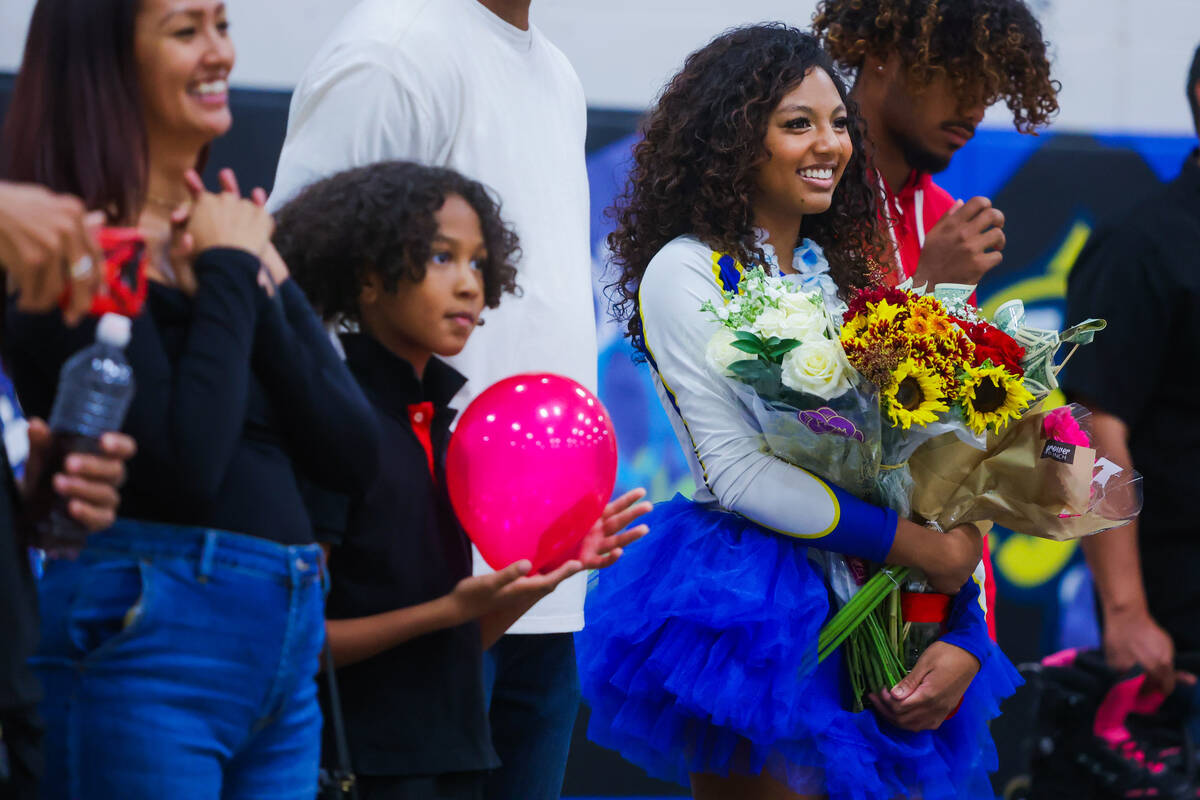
(113, 329)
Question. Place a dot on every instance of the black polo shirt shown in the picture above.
(419, 707)
(1142, 274)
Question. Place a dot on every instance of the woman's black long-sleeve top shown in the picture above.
(237, 395)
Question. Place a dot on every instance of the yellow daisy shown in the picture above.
(915, 396)
(919, 324)
(941, 325)
(852, 329)
(991, 397)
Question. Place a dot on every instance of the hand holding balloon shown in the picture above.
(605, 542)
(601, 547)
(530, 468)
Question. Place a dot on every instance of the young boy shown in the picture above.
(413, 255)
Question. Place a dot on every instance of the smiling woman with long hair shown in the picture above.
(694, 656)
(178, 653)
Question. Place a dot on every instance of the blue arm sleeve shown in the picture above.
(719, 433)
(859, 529)
(967, 626)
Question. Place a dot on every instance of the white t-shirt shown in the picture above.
(448, 83)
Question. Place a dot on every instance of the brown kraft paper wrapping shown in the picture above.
(1016, 483)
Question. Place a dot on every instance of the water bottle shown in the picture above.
(95, 388)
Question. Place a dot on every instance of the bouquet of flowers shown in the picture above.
(936, 374)
(918, 403)
(967, 442)
(778, 348)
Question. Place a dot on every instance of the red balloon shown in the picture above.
(530, 468)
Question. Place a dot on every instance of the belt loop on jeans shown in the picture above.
(206, 556)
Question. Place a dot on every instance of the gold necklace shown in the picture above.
(163, 203)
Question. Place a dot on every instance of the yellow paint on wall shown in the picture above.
(1028, 562)
(1052, 284)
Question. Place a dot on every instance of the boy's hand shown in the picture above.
(604, 543)
(528, 589)
(477, 595)
(89, 481)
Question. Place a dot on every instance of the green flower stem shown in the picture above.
(851, 615)
(893, 621)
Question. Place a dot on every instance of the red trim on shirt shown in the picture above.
(901, 208)
(420, 416)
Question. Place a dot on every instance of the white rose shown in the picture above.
(794, 319)
(817, 367)
(720, 352)
(770, 322)
(803, 315)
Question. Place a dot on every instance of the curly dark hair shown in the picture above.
(380, 219)
(989, 49)
(694, 171)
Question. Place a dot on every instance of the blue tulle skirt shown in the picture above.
(692, 661)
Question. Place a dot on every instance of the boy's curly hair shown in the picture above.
(989, 49)
(694, 171)
(380, 219)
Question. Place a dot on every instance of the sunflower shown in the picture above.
(915, 395)
(991, 396)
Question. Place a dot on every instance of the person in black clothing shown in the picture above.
(1139, 380)
(42, 236)
(412, 255)
(178, 653)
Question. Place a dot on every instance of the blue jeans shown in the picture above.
(532, 687)
(179, 663)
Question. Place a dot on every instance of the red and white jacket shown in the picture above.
(909, 215)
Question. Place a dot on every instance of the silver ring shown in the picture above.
(82, 268)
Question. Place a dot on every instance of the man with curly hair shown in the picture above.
(473, 85)
(925, 71)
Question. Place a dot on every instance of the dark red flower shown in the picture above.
(993, 344)
(858, 303)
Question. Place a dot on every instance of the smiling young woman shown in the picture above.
(693, 659)
(178, 652)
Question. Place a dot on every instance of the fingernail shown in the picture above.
(61, 483)
(74, 463)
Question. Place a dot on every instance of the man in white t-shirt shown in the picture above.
(472, 85)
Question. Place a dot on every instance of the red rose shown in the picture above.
(993, 344)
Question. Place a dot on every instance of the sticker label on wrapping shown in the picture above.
(1059, 451)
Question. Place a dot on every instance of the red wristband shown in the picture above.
(924, 606)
